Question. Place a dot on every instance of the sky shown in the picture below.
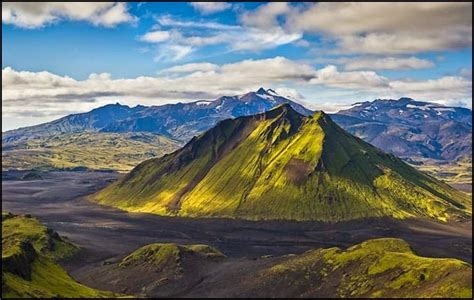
(63, 58)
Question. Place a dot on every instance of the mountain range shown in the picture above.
(410, 129)
(283, 165)
(179, 121)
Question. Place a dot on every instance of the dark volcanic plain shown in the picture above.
(106, 234)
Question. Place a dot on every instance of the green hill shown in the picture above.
(94, 150)
(30, 252)
(282, 165)
(377, 268)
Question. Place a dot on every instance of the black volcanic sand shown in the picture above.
(106, 235)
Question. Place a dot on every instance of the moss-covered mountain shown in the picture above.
(30, 255)
(375, 268)
(283, 165)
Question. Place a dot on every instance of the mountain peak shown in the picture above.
(283, 166)
(261, 91)
(284, 109)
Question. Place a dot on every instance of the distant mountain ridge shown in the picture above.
(179, 121)
(411, 129)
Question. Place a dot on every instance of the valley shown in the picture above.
(106, 235)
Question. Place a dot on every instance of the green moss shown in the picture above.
(375, 268)
(165, 255)
(47, 280)
(154, 254)
(281, 165)
(45, 241)
(30, 253)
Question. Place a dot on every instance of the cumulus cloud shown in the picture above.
(265, 16)
(368, 27)
(45, 93)
(444, 90)
(155, 36)
(330, 76)
(38, 14)
(386, 63)
(207, 8)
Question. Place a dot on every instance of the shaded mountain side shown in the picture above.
(283, 165)
(375, 268)
(411, 129)
(30, 253)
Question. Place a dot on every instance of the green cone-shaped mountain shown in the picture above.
(282, 165)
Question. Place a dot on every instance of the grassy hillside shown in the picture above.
(282, 165)
(375, 268)
(116, 151)
(30, 252)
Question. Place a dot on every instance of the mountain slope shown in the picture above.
(179, 121)
(411, 129)
(282, 165)
(91, 121)
(30, 253)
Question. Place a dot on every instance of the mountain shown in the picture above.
(411, 129)
(179, 121)
(377, 268)
(282, 165)
(91, 121)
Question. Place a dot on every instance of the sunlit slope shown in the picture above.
(282, 165)
(375, 268)
(30, 252)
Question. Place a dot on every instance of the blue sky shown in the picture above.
(69, 57)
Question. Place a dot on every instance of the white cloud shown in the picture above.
(157, 36)
(330, 76)
(410, 42)
(189, 68)
(207, 8)
(182, 35)
(168, 20)
(43, 94)
(444, 90)
(173, 52)
(367, 27)
(38, 14)
(385, 63)
(289, 93)
(265, 16)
